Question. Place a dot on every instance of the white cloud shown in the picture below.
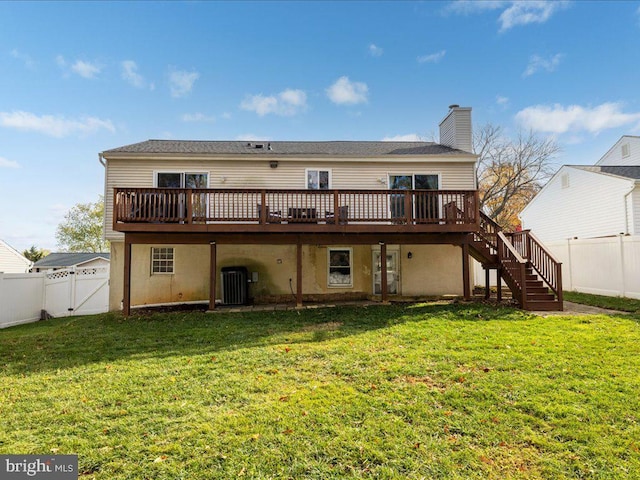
(181, 82)
(4, 163)
(346, 92)
(86, 69)
(432, 57)
(24, 58)
(375, 51)
(286, 103)
(526, 12)
(537, 63)
(197, 117)
(131, 75)
(503, 101)
(514, 12)
(409, 137)
(54, 126)
(574, 118)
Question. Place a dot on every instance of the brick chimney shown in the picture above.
(455, 129)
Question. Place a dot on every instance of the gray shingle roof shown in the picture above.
(338, 148)
(68, 259)
(626, 171)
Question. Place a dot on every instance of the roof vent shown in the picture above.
(269, 146)
(259, 145)
(248, 144)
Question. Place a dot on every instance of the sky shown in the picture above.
(79, 78)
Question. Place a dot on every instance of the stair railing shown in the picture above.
(489, 231)
(513, 268)
(542, 261)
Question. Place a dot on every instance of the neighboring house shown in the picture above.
(12, 261)
(589, 201)
(57, 261)
(233, 221)
(625, 152)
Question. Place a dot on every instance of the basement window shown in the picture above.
(340, 267)
(162, 259)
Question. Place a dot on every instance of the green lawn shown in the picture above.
(615, 303)
(413, 391)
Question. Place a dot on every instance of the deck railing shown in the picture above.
(193, 206)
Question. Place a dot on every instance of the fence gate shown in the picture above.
(76, 291)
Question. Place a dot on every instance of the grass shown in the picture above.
(615, 303)
(416, 391)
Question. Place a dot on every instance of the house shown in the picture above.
(625, 152)
(231, 222)
(590, 201)
(57, 261)
(12, 261)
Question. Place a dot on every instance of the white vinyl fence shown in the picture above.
(61, 293)
(602, 266)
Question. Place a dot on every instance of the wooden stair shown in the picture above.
(532, 274)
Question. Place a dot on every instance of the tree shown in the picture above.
(82, 228)
(511, 171)
(34, 254)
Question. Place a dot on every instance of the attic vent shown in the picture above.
(259, 145)
(564, 179)
(625, 150)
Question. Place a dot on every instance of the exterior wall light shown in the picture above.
(273, 164)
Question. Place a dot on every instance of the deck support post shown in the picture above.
(383, 273)
(466, 284)
(212, 275)
(487, 281)
(499, 283)
(126, 300)
(299, 274)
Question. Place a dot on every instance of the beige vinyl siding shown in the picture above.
(290, 173)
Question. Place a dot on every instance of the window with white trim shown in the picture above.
(318, 179)
(340, 267)
(162, 260)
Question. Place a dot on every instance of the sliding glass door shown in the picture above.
(425, 206)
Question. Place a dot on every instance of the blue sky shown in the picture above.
(79, 78)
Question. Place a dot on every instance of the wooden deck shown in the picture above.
(294, 211)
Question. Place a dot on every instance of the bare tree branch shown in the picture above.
(511, 171)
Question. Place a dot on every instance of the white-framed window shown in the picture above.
(626, 150)
(162, 260)
(340, 267)
(318, 179)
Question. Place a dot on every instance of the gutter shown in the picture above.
(101, 160)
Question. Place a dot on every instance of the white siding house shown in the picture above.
(589, 217)
(586, 202)
(12, 261)
(625, 151)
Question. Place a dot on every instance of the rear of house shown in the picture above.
(12, 261)
(294, 221)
